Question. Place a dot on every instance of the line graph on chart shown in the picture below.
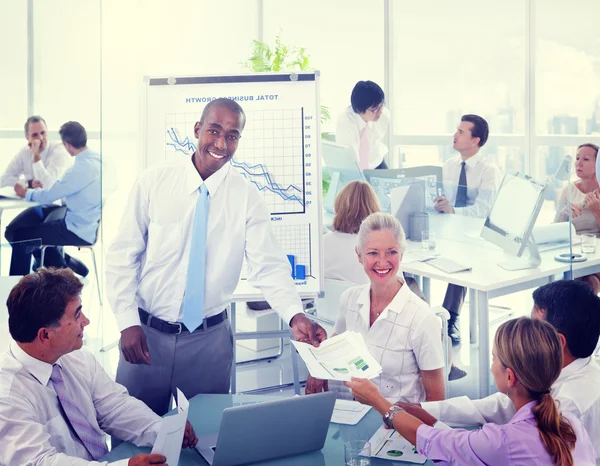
(270, 154)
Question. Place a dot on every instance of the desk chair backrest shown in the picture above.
(444, 315)
(328, 306)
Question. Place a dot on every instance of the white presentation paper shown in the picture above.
(390, 445)
(339, 358)
(348, 412)
(9, 193)
(170, 436)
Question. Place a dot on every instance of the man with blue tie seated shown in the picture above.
(470, 184)
(56, 403)
(177, 260)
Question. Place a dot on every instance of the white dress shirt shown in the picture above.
(341, 261)
(33, 430)
(54, 161)
(405, 339)
(146, 265)
(483, 180)
(576, 390)
(350, 125)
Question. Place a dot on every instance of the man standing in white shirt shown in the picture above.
(57, 404)
(363, 125)
(574, 310)
(470, 184)
(176, 262)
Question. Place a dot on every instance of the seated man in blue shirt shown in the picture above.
(81, 188)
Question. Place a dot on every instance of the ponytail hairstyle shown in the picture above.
(532, 349)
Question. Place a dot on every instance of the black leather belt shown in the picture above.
(175, 328)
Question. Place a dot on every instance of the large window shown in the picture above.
(345, 40)
(453, 59)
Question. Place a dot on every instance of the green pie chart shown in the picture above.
(394, 453)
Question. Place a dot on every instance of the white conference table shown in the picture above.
(487, 279)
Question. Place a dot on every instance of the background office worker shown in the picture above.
(41, 162)
(57, 403)
(470, 184)
(363, 125)
(77, 225)
(184, 234)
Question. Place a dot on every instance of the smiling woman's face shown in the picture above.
(380, 256)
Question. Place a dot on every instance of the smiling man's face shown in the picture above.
(218, 137)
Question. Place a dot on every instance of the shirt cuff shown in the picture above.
(423, 433)
(433, 408)
(289, 313)
(29, 194)
(123, 462)
(127, 318)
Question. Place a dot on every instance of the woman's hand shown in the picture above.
(365, 391)
(576, 210)
(592, 202)
(315, 385)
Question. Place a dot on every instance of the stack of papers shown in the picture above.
(339, 358)
(388, 444)
(348, 412)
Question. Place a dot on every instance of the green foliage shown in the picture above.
(280, 57)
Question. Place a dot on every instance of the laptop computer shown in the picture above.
(272, 429)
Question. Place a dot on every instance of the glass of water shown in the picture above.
(588, 243)
(357, 453)
(428, 240)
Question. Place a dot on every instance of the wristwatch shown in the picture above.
(389, 415)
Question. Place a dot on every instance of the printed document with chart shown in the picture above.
(339, 358)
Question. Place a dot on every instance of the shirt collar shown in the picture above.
(39, 369)
(526, 412)
(359, 121)
(571, 369)
(396, 305)
(471, 161)
(194, 180)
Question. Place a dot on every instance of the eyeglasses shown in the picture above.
(376, 109)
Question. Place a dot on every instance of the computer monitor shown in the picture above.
(383, 181)
(341, 162)
(512, 217)
(406, 200)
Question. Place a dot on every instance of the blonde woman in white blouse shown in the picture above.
(399, 328)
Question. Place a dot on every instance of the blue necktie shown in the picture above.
(461, 192)
(193, 299)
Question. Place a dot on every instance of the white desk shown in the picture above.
(487, 279)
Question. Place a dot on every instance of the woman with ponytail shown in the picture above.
(527, 359)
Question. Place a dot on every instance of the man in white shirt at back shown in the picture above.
(41, 162)
(470, 185)
(363, 125)
(56, 402)
(574, 310)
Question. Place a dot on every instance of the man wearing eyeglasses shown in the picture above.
(363, 125)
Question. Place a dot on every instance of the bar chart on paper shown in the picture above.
(271, 156)
(295, 240)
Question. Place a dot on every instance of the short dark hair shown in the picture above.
(573, 310)
(591, 146)
(229, 104)
(366, 94)
(39, 300)
(74, 133)
(33, 119)
(480, 129)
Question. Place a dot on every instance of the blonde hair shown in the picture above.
(379, 221)
(532, 349)
(355, 202)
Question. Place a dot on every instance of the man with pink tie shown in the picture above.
(363, 125)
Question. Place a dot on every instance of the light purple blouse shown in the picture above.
(516, 443)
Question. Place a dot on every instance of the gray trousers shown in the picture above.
(198, 362)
